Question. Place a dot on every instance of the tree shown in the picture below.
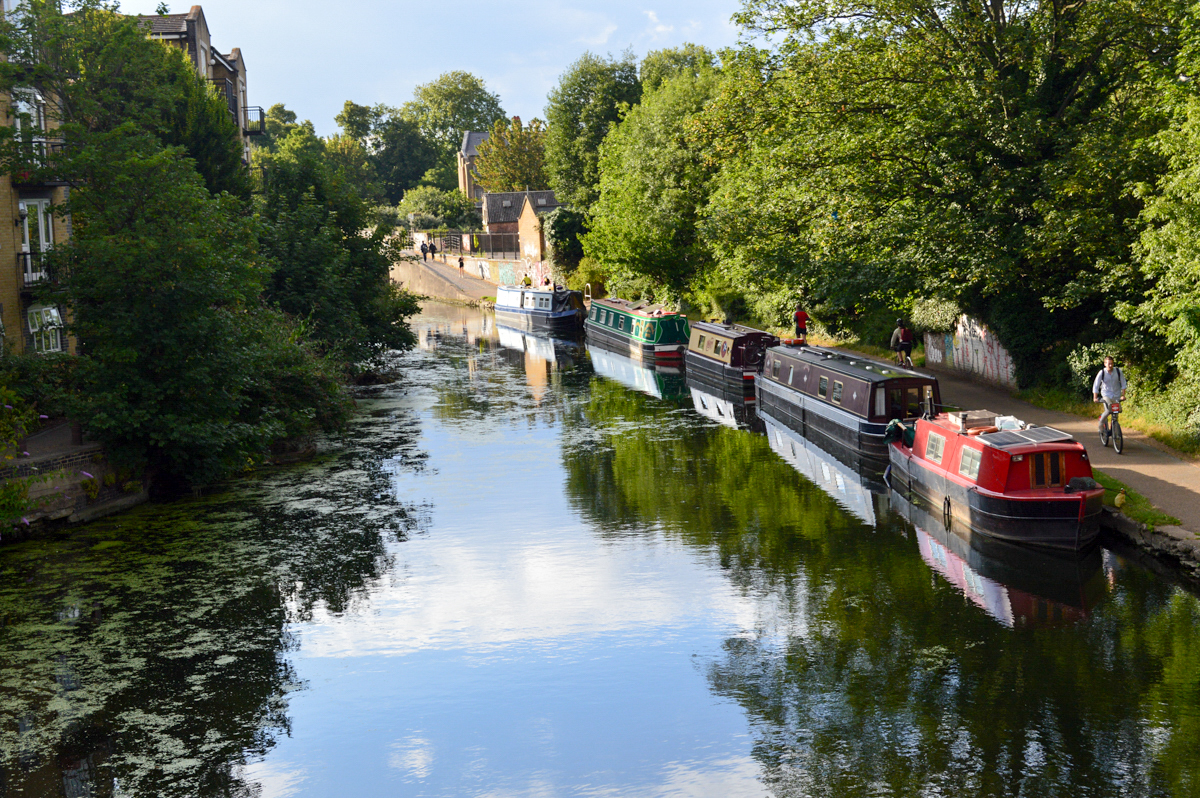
(349, 162)
(885, 152)
(512, 158)
(401, 155)
(653, 186)
(450, 208)
(452, 104)
(280, 122)
(564, 228)
(357, 121)
(579, 111)
(660, 65)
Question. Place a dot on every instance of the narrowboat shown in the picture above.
(637, 329)
(1020, 587)
(1001, 477)
(864, 495)
(841, 399)
(726, 408)
(550, 308)
(658, 380)
(727, 355)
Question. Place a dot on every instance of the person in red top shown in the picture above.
(801, 323)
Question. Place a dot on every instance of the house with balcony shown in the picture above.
(226, 71)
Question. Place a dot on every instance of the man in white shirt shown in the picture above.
(1110, 385)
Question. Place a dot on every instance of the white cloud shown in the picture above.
(273, 779)
(657, 29)
(413, 756)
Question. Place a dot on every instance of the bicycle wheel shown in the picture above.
(1117, 438)
(1104, 434)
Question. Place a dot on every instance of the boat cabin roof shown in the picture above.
(637, 308)
(1013, 441)
(731, 331)
(537, 289)
(863, 368)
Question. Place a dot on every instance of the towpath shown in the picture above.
(448, 271)
(1170, 483)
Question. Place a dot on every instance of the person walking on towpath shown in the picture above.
(461, 264)
(801, 319)
(432, 250)
(1110, 386)
(424, 251)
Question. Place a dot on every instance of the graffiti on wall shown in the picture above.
(512, 272)
(973, 349)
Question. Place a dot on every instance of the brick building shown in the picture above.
(227, 72)
(467, 154)
(532, 240)
(502, 210)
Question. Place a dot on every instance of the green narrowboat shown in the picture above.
(638, 329)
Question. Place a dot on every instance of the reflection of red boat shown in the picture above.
(1025, 484)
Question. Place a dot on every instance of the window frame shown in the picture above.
(941, 447)
(823, 387)
(970, 470)
(836, 394)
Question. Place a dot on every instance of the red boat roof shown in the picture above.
(1014, 441)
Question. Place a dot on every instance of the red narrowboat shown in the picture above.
(1020, 483)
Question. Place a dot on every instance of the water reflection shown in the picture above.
(500, 584)
(659, 381)
(730, 409)
(147, 654)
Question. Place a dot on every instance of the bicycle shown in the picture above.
(1112, 428)
(903, 359)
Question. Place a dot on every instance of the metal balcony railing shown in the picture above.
(35, 161)
(255, 122)
(226, 88)
(30, 269)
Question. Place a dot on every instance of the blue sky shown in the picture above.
(314, 56)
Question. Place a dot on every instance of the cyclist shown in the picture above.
(1109, 385)
(902, 342)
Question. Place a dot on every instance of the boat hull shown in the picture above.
(1070, 522)
(568, 321)
(631, 347)
(719, 375)
(820, 421)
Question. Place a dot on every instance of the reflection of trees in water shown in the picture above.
(874, 675)
(149, 648)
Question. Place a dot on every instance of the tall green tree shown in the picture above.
(660, 65)
(982, 153)
(580, 110)
(442, 110)
(654, 183)
(513, 156)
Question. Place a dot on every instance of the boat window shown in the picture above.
(927, 397)
(1046, 469)
(604, 317)
(594, 312)
(837, 391)
(716, 346)
(791, 373)
(880, 401)
(896, 403)
(968, 463)
(912, 403)
(822, 387)
(934, 446)
(621, 323)
(775, 369)
(700, 343)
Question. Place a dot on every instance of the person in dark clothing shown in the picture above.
(432, 250)
(801, 319)
(461, 264)
(424, 250)
(902, 341)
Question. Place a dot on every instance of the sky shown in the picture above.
(314, 56)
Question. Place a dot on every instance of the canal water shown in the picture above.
(531, 570)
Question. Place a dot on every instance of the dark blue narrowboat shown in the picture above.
(551, 308)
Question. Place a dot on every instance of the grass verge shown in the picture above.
(1137, 506)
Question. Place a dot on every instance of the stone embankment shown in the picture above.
(437, 280)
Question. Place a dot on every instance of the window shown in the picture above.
(823, 387)
(896, 403)
(700, 343)
(505, 203)
(837, 392)
(716, 346)
(621, 323)
(968, 463)
(880, 402)
(775, 369)
(604, 317)
(593, 313)
(912, 402)
(934, 446)
(541, 200)
(791, 373)
(46, 326)
(1046, 469)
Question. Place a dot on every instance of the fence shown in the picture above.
(497, 246)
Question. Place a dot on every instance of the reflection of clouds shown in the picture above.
(716, 779)
(274, 780)
(413, 756)
(529, 592)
